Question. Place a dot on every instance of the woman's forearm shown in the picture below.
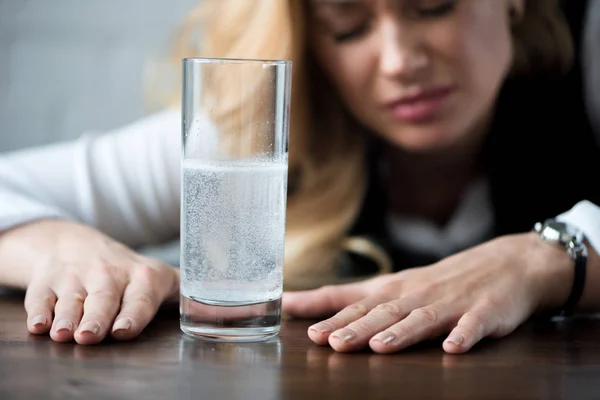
(125, 182)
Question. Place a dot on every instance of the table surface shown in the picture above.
(541, 360)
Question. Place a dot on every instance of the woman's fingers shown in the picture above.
(357, 333)
(139, 307)
(389, 327)
(141, 300)
(84, 304)
(322, 302)
(471, 328)
(99, 311)
(421, 324)
(67, 313)
(320, 332)
(173, 295)
(39, 304)
(100, 307)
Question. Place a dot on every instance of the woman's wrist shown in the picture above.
(25, 248)
(13, 259)
(551, 270)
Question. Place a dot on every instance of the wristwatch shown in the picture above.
(572, 240)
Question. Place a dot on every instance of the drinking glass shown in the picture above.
(233, 201)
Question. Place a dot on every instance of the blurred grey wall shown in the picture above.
(592, 62)
(70, 66)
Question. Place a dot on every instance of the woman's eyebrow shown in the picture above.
(327, 6)
(334, 3)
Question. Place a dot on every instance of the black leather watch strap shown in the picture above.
(570, 305)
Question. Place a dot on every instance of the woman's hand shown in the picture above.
(488, 290)
(81, 284)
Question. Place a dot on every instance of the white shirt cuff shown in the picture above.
(585, 215)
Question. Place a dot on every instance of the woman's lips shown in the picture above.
(420, 107)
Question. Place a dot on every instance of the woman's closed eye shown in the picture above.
(350, 34)
(419, 9)
(343, 20)
(432, 8)
(348, 21)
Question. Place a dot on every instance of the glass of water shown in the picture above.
(233, 200)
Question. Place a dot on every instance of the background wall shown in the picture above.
(592, 61)
(70, 66)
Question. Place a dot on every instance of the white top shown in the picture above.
(472, 223)
(127, 184)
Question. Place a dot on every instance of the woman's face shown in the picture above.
(423, 74)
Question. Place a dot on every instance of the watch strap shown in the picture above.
(570, 305)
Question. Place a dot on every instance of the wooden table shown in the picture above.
(539, 361)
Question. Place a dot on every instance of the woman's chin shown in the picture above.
(422, 140)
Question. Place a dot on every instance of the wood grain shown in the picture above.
(542, 360)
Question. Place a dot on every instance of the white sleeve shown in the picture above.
(125, 183)
(586, 216)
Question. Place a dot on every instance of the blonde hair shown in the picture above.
(542, 40)
(327, 152)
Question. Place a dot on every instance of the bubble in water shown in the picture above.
(233, 230)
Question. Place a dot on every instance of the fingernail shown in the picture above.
(455, 338)
(122, 325)
(321, 327)
(387, 338)
(90, 327)
(346, 335)
(39, 321)
(64, 325)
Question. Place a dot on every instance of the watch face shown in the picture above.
(555, 230)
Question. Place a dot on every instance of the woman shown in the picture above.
(414, 123)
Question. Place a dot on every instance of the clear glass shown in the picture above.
(233, 200)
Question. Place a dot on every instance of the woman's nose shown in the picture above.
(402, 54)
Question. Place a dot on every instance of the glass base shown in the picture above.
(227, 322)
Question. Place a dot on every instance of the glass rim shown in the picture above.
(226, 60)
